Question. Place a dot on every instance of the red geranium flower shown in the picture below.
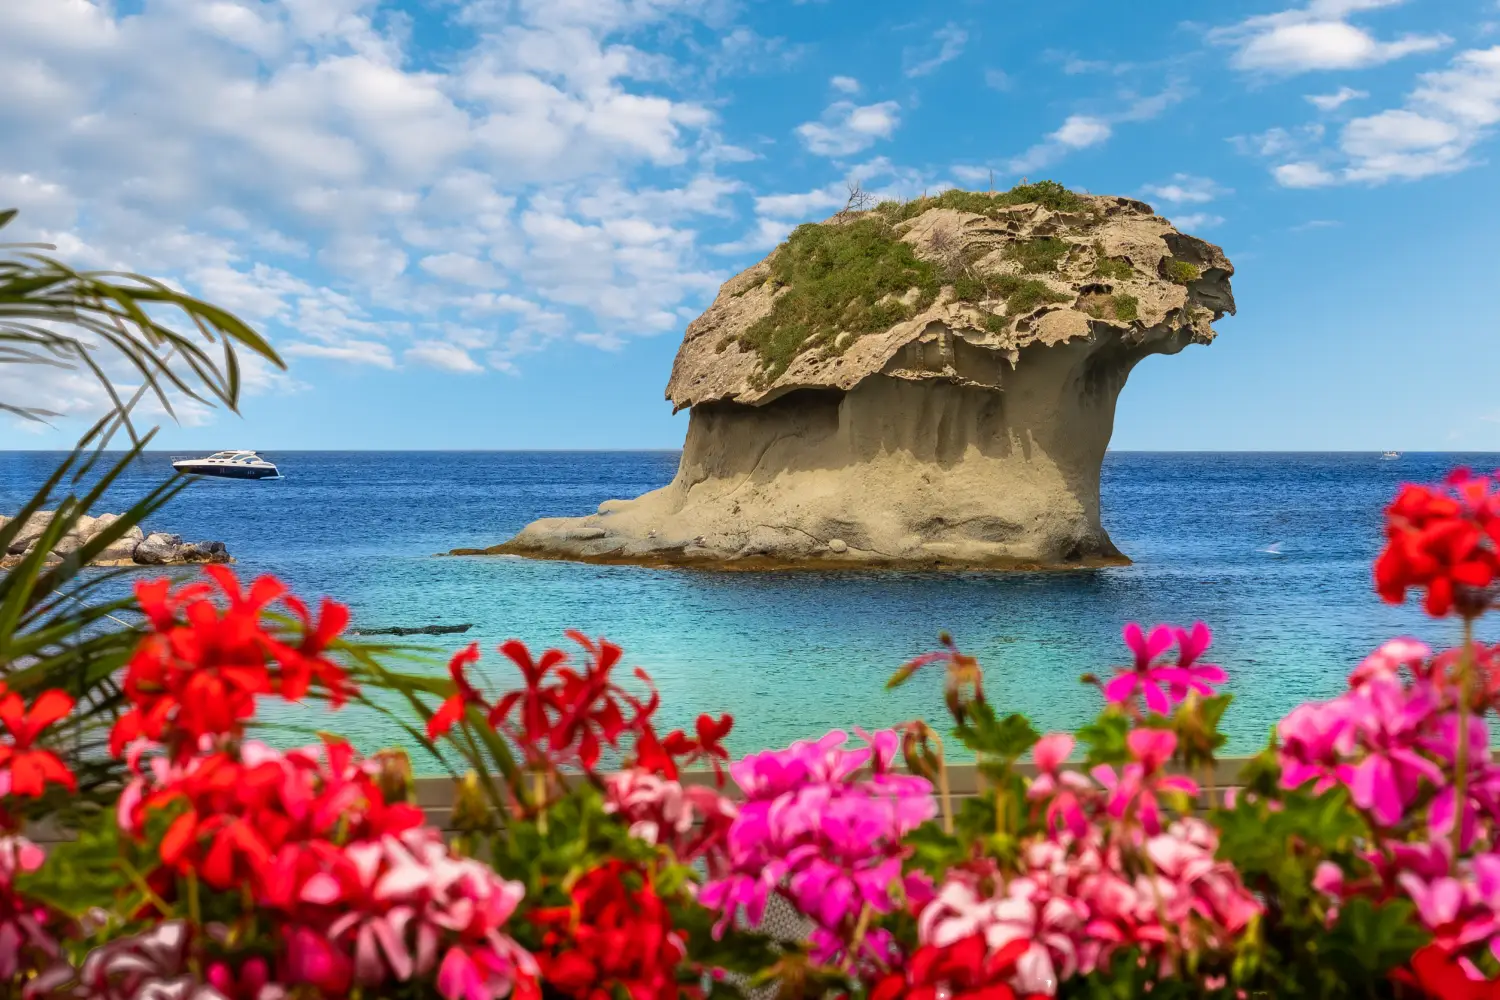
(464, 695)
(563, 714)
(661, 757)
(1445, 539)
(1434, 972)
(616, 936)
(964, 970)
(30, 769)
(538, 704)
(199, 671)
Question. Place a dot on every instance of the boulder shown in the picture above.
(943, 397)
(120, 551)
(30, 532)
(158, 549)
(133, 548)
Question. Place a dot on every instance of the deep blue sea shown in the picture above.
(794, 654)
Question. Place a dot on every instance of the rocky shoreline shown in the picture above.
(135, 548)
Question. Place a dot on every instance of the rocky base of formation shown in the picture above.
(892, 475)
(135, 548)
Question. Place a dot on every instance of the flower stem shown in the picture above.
(944, 790)
(539, 790)
(861, 928)
(1461, 780)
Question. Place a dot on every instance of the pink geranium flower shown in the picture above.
(1061, 787)
(1390, 720)
(1316, 739)
(1190, 675)
(1133, 793)
(1388, 660)
(1145, 675)
(1483, 784)
(817, 831)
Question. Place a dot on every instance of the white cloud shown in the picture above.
(439, 354)
(778, 214)
(847, 128)
(1448, 114)
(1082, 131)
(1197, 221)
(294, 161)
(802, 205)
(1302, 174)
(1337, 99)
(1317, 37)
(1077, 132)
(997, 79)
(947, 45)
(1186, 189)
(845, 84)
(358, 352)
(462, 269)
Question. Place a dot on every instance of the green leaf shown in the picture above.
(1105, 737)
(80, 874)
(1003, 740)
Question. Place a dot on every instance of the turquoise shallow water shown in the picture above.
(792, 655)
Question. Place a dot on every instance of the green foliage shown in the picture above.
(839, 278)
(1049, 194)
(1019, 294)
(1121, 307)
(1025, 294)
(1277, 852)
(849, 278)
(1196, 723)
(1127, 307)
(1040, 255)
(1110, 268)
(1182, 272)
(81, 874)
(994, 738)
(1105, 737)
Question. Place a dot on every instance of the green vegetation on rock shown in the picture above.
(858, 277)
(1121, 307)
(1040, 255)
(842, 278)
(1024, 294)
(1182, 272)
(1049, 194)
(1108, 267)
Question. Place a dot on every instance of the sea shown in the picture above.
(1272, 551)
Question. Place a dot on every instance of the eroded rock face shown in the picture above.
(969, 432)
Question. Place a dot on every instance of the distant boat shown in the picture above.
(229, 465)
(1389, 456)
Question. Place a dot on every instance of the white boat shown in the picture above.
(1390, 456)
(229, 465)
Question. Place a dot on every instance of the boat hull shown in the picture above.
(226, 471)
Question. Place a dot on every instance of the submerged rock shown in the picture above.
(414, 630)
(133, 548)
(922, 385)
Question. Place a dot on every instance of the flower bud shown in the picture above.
(393, 776)
(916, 748)
(471, 812)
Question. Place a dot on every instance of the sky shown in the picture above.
(473, 224)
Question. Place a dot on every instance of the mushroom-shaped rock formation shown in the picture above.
(921, 385)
